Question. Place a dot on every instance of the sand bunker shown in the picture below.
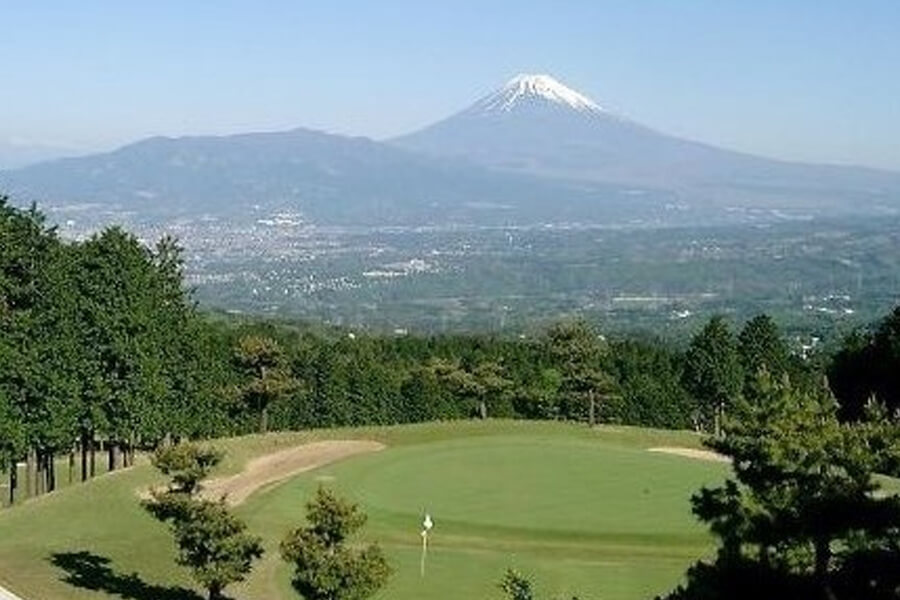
(691, 453)
(282, 465)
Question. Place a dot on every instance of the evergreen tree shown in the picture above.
(867, 365)
(263, 361)
(212, 542)
(712, 371)
(186, 465)
(516, 586)
(761, 348)
(801, 517)
(579, 354)
(325, 567)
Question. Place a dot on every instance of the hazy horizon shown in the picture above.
(809, 82)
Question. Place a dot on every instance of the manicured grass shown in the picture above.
(585, 511)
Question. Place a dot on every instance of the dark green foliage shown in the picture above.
(867, 365)
(801, 516)
(712, 371)
(650, 391)
(516, 586)
(100, 342)
(579, 354)
(212, 542)
(262, 362)
(186, 464)
(761, 348)
(325, 567)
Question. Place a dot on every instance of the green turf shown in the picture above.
(587, 512)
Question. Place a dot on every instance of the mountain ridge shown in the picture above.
(533, 151)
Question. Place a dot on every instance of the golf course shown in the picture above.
(588, 511)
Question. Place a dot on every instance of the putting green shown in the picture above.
(587, 512)
(584, 516)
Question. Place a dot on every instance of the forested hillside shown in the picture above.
(103, 348)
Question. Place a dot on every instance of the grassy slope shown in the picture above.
(585, 511)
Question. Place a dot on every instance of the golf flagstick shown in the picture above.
(427, 524)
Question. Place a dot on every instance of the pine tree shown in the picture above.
(325, 567)
(712, 371)
(802, 516)
(262, 360)
(211, 541)
(761, 348)
(580, 354)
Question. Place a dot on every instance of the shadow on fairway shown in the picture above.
(90, 571)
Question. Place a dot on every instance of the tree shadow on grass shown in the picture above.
(86, 570)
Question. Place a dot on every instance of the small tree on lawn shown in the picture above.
(212, 542)
(516, 586)
(325, 567)
(186, 465)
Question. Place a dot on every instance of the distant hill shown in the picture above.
(327, 178)
(535, 151)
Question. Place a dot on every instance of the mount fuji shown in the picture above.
(534, 124)
(532, 152)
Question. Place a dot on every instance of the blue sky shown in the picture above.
(801, 79)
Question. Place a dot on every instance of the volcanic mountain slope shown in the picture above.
(537, 125)
(535, 151)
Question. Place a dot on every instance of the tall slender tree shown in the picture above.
(761, 348)
(580, 354)
(263, 361)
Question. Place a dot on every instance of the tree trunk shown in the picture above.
(92, 449)
(41, 475)
(30, 473)
(38, 473)
(45, 472)
(51, 471)
(215, 592)
(482, 409)
(13, 482)
(84, 457)
(823, 558)
(264, 419)
(128, 451)
(46, 457)
(113, 450)
(71, 465)
(592, 417)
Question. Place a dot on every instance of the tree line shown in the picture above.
(103, 349)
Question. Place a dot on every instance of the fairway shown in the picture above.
(587, 512)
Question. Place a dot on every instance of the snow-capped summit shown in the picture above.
(525, 88)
